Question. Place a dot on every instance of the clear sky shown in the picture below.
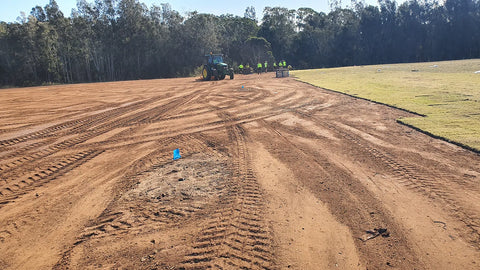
(11, 8)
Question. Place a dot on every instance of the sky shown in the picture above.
(11, 8)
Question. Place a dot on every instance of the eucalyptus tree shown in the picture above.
(278, 27)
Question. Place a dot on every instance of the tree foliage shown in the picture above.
(108, 40)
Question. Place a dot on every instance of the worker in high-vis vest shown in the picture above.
(284, 63)
(274, 65)
(280, 64)
(265, 65)
(259, 67)
(240, 69)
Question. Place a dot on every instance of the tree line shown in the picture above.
(108, 40)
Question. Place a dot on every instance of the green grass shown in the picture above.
(446, 93)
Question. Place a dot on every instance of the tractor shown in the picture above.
(216, 68)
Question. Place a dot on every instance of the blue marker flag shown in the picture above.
(176, 154)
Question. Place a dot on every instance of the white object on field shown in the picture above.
(477, 72)
(434, 66)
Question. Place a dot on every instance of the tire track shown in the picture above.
(330, 182)
(162, 111)
(48, 132)
(16, 169)
(236, 235)
(247, 113)
(77, 124)
(226, 105)
(14, 188)
(412, 177)
(86, 130)
(74, 127)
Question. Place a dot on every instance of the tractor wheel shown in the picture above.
(206, 74)
(221, 77)
(231, 76)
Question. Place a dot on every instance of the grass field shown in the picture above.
(446, 93)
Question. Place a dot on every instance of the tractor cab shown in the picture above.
(214, 58)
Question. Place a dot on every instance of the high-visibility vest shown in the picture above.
(284, 63)
(265, 65)
(240, 67)
(274, 64)
(280, 63)
(259, 65)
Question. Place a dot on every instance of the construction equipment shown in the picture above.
(215, 68)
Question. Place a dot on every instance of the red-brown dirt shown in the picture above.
(275, 175)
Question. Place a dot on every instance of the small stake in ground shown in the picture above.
(176, 154)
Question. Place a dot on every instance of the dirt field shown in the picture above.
(275, 175)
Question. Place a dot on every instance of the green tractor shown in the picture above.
(216, 68)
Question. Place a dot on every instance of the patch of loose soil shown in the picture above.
(149, 224)
(275, 175)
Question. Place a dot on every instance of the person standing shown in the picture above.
(265, 65)
(240, 69)
(259, 67)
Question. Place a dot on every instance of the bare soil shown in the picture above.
(276, 174)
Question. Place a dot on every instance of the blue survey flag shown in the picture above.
(176, 154)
